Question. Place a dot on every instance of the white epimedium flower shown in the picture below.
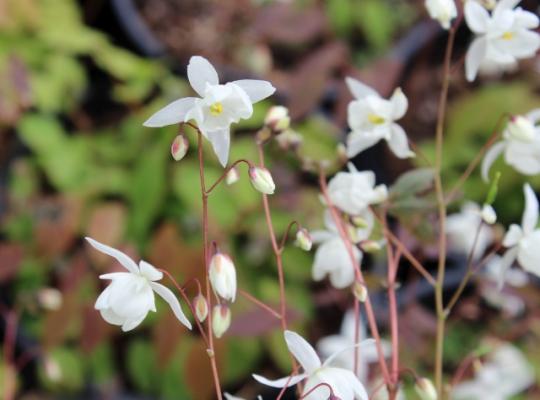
(520, 145)
(372, 118)
(503, 37)
(218, 107)
(130, 296)
(332, 257)
(523, 241)
(461, 230)
(354, 191)
(345, 340)
(345, 385)
(443, 11)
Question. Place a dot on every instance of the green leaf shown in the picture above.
(142, 367)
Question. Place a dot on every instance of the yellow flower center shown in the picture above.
(375, 119)
(216, 109)
(508, 36)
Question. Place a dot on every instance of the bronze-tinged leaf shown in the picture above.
(107, 223)
(257, 322)
(94, 329)
(10, 259)
(166, 335)
(198, 372)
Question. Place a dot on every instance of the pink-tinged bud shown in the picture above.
(262, 180)
(425, 389)
(221, 319)
(223, 276)
(201, 307)
(360, 291)
(521, 128)
(179, 147)
(277, 118)
(232, 176)
(303, 239)
(50, 299)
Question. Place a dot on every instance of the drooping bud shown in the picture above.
(303, 239)
(232, 176)
(262, 180)
(443, 11)
(50, 299)
(222, 275)
(179, 147)
(425, 389)
(201, 307)
(221, 319)
(289, 139)
(488, 214)
(521, 128)
(370, 246)
(360, 291)
(277, 118)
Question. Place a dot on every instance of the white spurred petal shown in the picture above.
(530, 213)
(200, 73)
(111, 317)
(359, 89)
(171, 114)
(362, 346)
(332, 258)
(360, 141)
(528, 255)
(280, 383)
(256, 90)
(167, 295)
(131, 298)
(513, 236)
(400, 103)
(115, 275)
(507, 4)
(475, 56)
(504, 265)
(123, 259)
(221, 142)
(399, 143)
(131, 324)
(477, 17)
(491, 155)
(526, 19)
(150, 272)
(302, 351)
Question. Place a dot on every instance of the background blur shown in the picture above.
(78, 78)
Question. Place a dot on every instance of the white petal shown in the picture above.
(171, 114)
(132, 323)
(477, 17)
(399, 143)
(513, 236)
(360, 141)
(504, 265)
(170, 298)
(528, 254)
(123, 259)
(530, 214)
(363, 345)
(115, 275)
(359, 89)
(400, 103)
(302, 351)
(320, 236)
(280, 383)
(256, 90)
(490, 157)
(507, 4)
(221, 141)
(111, 317)
(149, 271)
(102, 301)
(524, 157)
(131, 298)
(200, 72)
(526, 19)
(475, 55)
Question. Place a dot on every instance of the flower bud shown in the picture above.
(521, 128)
(50, 299)
(277, 118)
(488, 214)
(221, 319)
(179, 147)
(201, 307)
(232, 176)
(303, 239)
(443, 11)
(360, 291)
(425, 389)
(262, 180)
(223, 276)
(370, 246)
(289, 139)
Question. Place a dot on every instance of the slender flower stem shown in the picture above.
(258, 302)
(441, 206)
(359, 276)
(316, 387)
(224, 175)
(204, 197)
(287, 233)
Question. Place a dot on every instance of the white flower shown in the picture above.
(222, 275)
(372, 118)
(503, 37)
(345, 341)
(520, 144)
(496, 272)
(506, 374)
(218, 107)
(353, 191)
(344, 383)
(261, 180)
(443, 11)
(332, 257)
(461, 230)
(130, 296)
(523, 241)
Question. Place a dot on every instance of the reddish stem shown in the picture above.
(259, 303)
